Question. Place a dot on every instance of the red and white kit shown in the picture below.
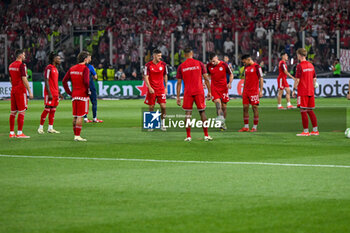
(250, 95)
(51, 74)
(282, 77)
(19, 101)
(79, 77)
(305, 72)
(191, 71)
(218, 84)
(156, 74)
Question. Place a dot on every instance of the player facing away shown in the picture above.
(156, 79)
(19, 101)
(251, 93)
(191, 72)
(51, 93)
(305, 86)
(217, 71)
(79, 77)
(282, 82)
(93, 95)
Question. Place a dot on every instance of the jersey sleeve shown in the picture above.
(65, 83)
(227, 69)
(47, 73)
(179, 72)
(92, 70)
(86, 77)
(165, 68)
(284, 67)
(204, 70)
(298, 71)
(23, 70)
(146, 70)
(259, 71)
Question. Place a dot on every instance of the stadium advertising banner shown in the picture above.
(328, 87)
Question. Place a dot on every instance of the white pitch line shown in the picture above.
(179, 161)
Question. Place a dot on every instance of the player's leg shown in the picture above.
(188, 115)
(245, 118)
(205, 129)
(289, 105)
(279, 99)
(312, 116)
(163, 111)
(219, 110)
(303, 105)
(52, 119)
(13, 116)
(200, 102)
(22, 103)
(256, 118)
(43, 118)
(224, 108)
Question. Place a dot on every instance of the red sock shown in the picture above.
(12, 121)
(246, 120)
(205, 130)
(52, 116)
(256, 120)
(304, 119)
(78, 130)
(312, 118)
(43, 116)
(20, 120)
(188, 131)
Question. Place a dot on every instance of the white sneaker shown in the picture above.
(52, 131)
(162, 128)
(41, 131)
(223, 126)
(150, 130)
(79, 139)
(208, 138)
(188, 139)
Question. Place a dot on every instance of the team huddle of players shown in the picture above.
(217, 76)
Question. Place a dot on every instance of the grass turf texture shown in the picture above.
(49, 195)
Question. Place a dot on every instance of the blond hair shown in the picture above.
(302, 52)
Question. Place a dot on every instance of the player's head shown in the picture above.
(188, 52)
(83, 57)
(284, 56)
(54, 58)
(20, 54)
(213, 58)
(226, 59)
(301, 54)
(246, 60)
(157, 55)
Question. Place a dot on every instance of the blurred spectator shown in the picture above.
(228, 46)
(120, 75)
(336, 68)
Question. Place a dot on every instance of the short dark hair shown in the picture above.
(211, 56)
(82, 56)
(18, 52)
(156, 51)
(282, 53)
(245, 56)
(52, 56)
(188, 50)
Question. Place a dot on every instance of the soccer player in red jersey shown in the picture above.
(251, 93)
(282, 81)
(51, 93)
(217, 71)
(156, 78)
(305, 85)
(79, 77)
(191, 72)
(19, 101)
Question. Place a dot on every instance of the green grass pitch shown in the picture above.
(89, 196)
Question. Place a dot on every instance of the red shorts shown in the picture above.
(250, 98)
(19, 102)
(80, 108)
(53, 103)
(151, 98)
(282, 83)
(220, 94)
(306, 102)
(198, 99)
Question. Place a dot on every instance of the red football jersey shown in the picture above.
(156, 74)
(51, 74)
(218, 75)
(305, 72)
(282, 67)
(17, 70)
(253, 73)
(191, 71)
(79, 77)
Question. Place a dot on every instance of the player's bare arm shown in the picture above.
(261, 87)
(95, 77)
(47, 87)
(166, 83)
(26, 84)
(289, 75)
(296, 83)
(207, 83)
(150, 89)
(230, 81)
(178, 90)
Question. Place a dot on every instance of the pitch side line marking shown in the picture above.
(180, 161)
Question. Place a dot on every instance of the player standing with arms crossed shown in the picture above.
(191, 72)
(217, 71)
(79, 77)
(156, 79)
(282, 82)
(51, 93)
(19, 101)
(305, 85)
(251, 93)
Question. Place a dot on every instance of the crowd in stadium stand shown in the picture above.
(37, 20)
